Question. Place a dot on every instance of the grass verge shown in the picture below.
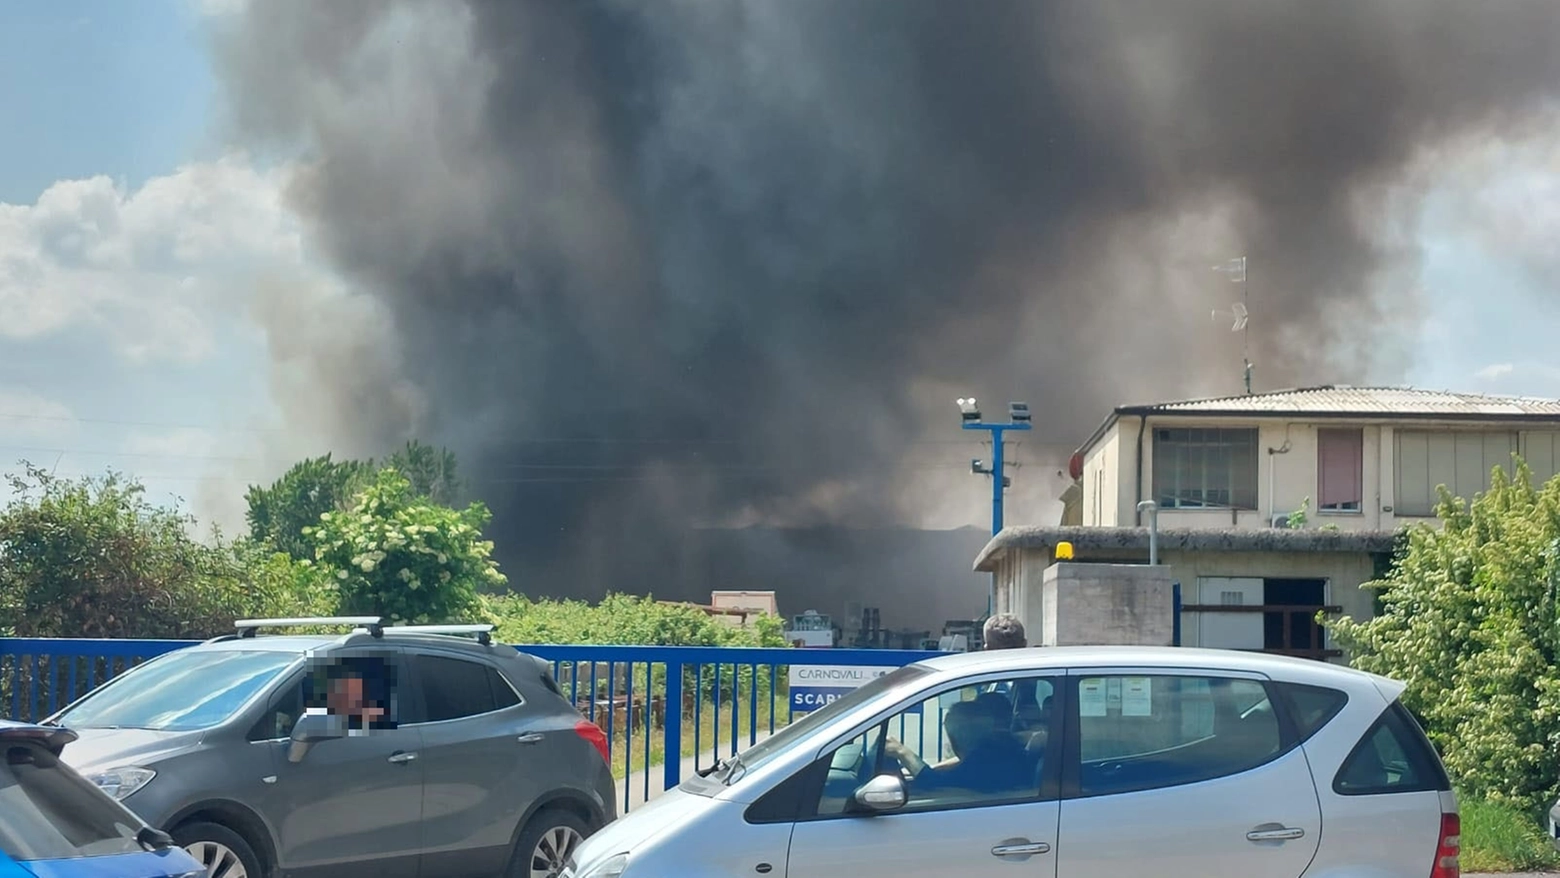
(628, 752)
(1501, 838)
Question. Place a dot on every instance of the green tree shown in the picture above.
(277, 515)
(430, 470)
(400, 556)
(1469, 619)
(93, 558)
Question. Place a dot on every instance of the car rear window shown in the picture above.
(1394, 756)
(1311, 707)
(48, 812)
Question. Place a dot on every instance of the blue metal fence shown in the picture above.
(659, 705)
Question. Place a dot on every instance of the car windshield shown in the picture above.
(48, 812)
(777, 743)
(181, 691)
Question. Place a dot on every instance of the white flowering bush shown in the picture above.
(397, 555)
(1469, 619)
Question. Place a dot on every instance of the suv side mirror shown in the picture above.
(311, 729)
(886, 792)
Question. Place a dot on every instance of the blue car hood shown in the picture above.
(170, 863)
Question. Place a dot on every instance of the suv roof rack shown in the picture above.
(484, 632)
(248, 627)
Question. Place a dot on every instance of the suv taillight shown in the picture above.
(598, 739)
(1447, 849)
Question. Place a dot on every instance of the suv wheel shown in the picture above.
(222, 851)
(545, 845)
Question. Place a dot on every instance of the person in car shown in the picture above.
(1003, 631)
(988, 759)
(356, 693)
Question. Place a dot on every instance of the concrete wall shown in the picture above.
(1284, 479)
(1029, 573)
(1107, 604)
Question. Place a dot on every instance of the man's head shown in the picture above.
(1004, 631)
(970, 724)
(356, 688)
(347, 694)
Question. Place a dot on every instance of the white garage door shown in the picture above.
(1229, 630)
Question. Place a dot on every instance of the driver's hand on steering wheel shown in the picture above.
(906, 757)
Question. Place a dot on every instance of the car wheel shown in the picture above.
(222, 851)
(545, 845)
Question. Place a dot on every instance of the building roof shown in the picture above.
(1184, 539)
(1344, 401)
(1337, 399)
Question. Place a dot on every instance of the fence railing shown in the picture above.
(666, 710)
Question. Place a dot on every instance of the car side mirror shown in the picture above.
(886, 792)
(153, 839)
(311, 729)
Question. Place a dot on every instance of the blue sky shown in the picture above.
(128, 336)
(123, 90)
(101, 86)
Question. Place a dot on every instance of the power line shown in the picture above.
(517, 440)
(36, 449)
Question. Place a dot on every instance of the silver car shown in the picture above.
(387, 752)
(1081, 762)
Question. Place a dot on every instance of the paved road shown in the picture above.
(633, 786)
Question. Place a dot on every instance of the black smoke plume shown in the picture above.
(654, 264)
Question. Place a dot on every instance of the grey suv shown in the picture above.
(389, 751)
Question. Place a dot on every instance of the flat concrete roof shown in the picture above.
(1186, 540)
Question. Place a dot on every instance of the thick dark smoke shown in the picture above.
(652, 264)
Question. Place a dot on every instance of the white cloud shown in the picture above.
(27, 415)
(1495, 371)
(150, 269)
(189, 443)
(220, 8)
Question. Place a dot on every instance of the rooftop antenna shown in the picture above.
(1236, 269)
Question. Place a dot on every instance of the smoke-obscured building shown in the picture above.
(1273, 507)
(915, 579)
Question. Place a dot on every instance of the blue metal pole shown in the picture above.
(996, 480)
(998, 487)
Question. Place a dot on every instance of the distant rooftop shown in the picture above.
(1184, 539)
(1344, 401)
(1341, 399)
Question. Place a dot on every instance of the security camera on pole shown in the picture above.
(1018, 419)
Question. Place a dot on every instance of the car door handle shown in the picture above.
(1028, 849)
(1280, 834)
(402, 758)
(530, 738)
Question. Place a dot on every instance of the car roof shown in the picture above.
(1279, 667)
(301, 643)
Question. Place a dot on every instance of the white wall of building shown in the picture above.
(1288, 470)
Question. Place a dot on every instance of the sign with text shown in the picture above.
(813, 686)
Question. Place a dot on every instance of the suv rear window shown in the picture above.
(1394, 756)
(453, 688)
(48, 812)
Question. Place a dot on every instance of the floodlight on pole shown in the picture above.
(1018, 419)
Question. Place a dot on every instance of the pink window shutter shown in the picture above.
(1341, 457)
